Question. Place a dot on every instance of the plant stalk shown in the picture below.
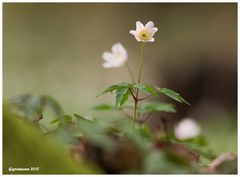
(139, 79)
(140, 64)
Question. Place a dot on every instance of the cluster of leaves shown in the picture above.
(124, 90)
(198, 144)
(113, 144)
(32, 107)
(146, 107)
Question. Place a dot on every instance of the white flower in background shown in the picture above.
(144, 33)
(116, 58)
(187, 128)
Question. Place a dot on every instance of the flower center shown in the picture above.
(144, 35)
(117, 54)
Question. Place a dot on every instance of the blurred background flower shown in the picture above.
(116, 58)
(187, 128)
(56, 49)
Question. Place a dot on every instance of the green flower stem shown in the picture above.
(139, 79)
(140, 64)
(130, 72)
(135, 110)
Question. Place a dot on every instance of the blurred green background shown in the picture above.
(56, 49)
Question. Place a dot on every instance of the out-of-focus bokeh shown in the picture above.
(56, 49)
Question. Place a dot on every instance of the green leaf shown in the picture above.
(54, 105)
(145, 132)
(29, 106)
(148, 107)
(54, 121)
(165, 163)
(204, 152)
(95, 133)
(114, 87)
(122, 96)
(198, 140)
(66, 135)
(172, 94)
(89, 118)
(104, 107)
(197, 144)
(26, 105)
(122, 92)
(68, 118)
(146, 88)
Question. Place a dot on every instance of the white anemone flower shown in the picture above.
(144, 33)
(187, 128)
(116, 58)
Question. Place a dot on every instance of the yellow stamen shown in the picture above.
(144, 35)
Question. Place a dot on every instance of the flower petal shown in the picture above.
(133, 32)
(136, 35)
(138, 39)
(117, 47)
(107, 56)
(153, 30)
(139, 26)
(107, 65)
(149, 25)
(116, 58)
(151, 40)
